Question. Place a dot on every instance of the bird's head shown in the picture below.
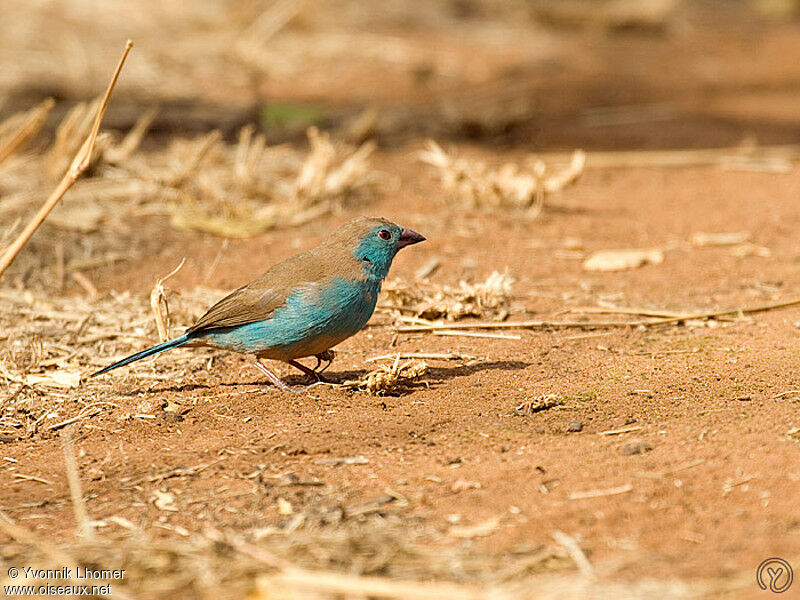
(376, 241)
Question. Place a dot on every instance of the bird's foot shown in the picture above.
(276, 381)
(327, 357)
(313, 373)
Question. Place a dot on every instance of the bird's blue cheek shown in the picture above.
(378, 258)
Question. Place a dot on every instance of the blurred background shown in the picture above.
(533, 73)
(208, 77)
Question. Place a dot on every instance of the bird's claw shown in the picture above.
(327, 357)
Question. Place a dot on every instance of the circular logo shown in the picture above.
(774, 574)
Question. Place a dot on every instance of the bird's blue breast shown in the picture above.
(311, 321)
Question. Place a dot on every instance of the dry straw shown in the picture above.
(476, 185)
(249, 188)
(425, 300)
(79, 164)
(389, 380)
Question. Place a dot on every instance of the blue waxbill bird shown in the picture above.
(304, 305)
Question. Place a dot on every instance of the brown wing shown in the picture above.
(260, 298)
(245, 305)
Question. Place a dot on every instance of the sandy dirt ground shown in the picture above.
(671, 460)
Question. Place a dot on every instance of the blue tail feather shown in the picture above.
(174, 343)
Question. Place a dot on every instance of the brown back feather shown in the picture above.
(308, 270)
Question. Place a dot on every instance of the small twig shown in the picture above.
(36, 119)
(215, 263)
(621, 310)
(498, 336)
(586, 336)
(57, 556)
(85, 283)
(623, 489)
(23, 477)
(9, 231)
(90, 410)
(423, 356)
(73, 478)
(255, 552)
(133, 138)
(575, 552)
(22, 535)
(741, 310)
(620, 431)
(158, 297)
(177, 472)
(204, 147)
(328, 582)
(676, 158)
(428, 268)
(76, 169)
(526, 325)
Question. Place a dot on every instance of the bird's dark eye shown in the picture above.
(384, 234)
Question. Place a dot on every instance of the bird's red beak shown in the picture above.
(408, 237)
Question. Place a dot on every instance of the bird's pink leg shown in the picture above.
(272, 377)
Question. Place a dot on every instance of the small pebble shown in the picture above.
(574, 427)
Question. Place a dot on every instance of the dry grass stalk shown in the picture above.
(78, 166)
(487, 299)
(243, 191)
(48, 344)
(424, 356)
(477, 185)
(389, 380)
(329, 174)
(158, 300)
(621, 430)
(712, 314)
(85, 283)
(251, 43)
(623, 310)
(337, 584)
(70, 134)
(601, 493)
(249, 154)
(74, 479)
(575, 551)
(367, 555)
(201, 150)
(682, 158)
(429, 327)
(22, 127)
(123, 151)
(476, 334)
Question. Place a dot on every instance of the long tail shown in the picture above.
(174, 343)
